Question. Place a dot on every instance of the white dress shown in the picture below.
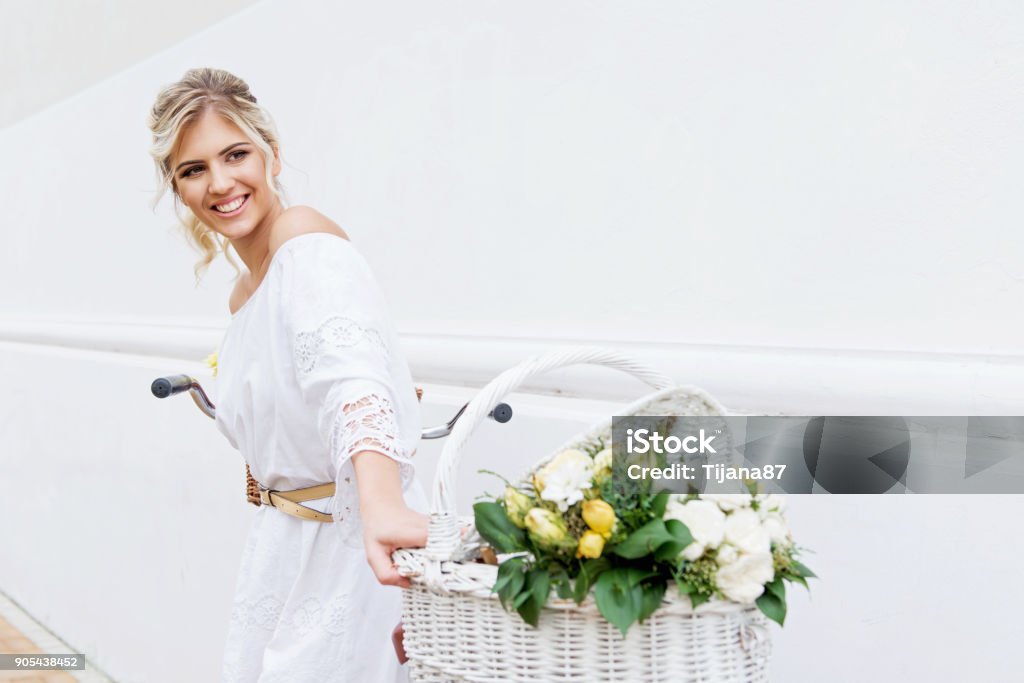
(310, 373)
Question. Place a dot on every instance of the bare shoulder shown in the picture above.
(301, 220)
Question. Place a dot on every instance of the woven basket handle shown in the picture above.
(443, 533)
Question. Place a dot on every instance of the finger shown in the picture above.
(383, 568)
(402, 581)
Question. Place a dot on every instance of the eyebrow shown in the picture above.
(223, 151)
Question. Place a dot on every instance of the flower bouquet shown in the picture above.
(571, 526)
(597, 579)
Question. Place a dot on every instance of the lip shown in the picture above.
(236, 211)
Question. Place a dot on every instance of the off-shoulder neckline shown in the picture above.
(273, 260)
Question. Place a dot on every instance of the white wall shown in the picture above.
(46, 56)
(805, 209)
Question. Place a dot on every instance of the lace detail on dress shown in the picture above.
(366, 424)
(310, 617)
(335, 332)
(263, 613)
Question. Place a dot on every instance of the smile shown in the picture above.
(233, 207)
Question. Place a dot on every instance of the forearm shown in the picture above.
(379, 481)
(388, 523)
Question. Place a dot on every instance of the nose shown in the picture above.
(220, 179)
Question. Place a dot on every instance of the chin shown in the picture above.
(236, 232)
(229, 230)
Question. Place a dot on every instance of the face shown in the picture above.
(220, 175)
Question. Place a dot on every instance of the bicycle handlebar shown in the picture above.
(163, 387)
(174, 384)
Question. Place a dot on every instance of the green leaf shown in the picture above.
(684, 587)
(803, 570)
(581, 588)
(507, 594)
(495, 526)
(679, 531)
(698, 599)
(538, 585)
(644, 541)
(507, 570)
(650, 598)
(589, 571)
(511, 578)
(659, 504)
(635, 575)
(796, 578)
(616, 599)
(773, 607)
(777, 588)
(560, 580)
(681, 538)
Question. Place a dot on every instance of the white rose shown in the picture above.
(743, 580)
(727, 554)
(729, 501)
(777, 529)
(770, 502)
(704, 520)
(603, 460)
(743, 529)
(565, 478)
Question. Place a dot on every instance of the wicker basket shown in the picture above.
(457, 631)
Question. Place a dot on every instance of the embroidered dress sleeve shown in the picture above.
(340, 332)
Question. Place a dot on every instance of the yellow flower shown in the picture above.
(517, 504)
(211, 362)
(548, 530)
(591, 545)
(599, 516)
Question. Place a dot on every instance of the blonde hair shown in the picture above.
(181, 103)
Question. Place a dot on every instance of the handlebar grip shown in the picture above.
(502, 413)
(163, 387)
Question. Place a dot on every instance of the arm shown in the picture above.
(344, 348)
(388, 524)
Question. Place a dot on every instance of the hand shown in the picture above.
(385, 529)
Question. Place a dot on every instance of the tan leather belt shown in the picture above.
(290, 501)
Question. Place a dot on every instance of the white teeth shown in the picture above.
(228, 208)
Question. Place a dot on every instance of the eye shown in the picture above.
(191, 171)
(237, 155)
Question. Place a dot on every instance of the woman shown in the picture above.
(312, 389)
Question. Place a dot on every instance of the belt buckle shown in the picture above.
(265, 496)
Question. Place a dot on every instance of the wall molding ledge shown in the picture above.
(764, 380)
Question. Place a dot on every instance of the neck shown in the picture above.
(254, 248)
